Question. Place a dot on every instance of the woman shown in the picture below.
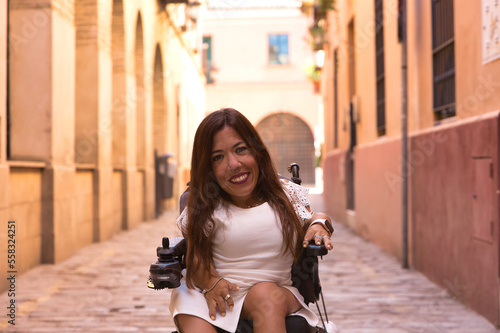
(242, 225)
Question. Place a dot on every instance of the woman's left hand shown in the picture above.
(319, 234)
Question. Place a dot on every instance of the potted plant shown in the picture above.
(314, 75)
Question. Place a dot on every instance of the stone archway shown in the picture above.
(159, 124)
(289, 140)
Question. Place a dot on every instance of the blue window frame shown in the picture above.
(278, 49)
(207, 58)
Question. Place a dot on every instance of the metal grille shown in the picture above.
(443, 58)
(289, 140)
(379, 59)
(336, 98)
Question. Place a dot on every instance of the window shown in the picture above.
(380, 70)
(335, 97)
(443, 49)
(278, 49)
(207, 58)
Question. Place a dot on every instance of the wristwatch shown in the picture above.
(325, 223)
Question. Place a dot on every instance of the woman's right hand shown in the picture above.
(219, 296)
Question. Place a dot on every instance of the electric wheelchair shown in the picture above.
(166, 273)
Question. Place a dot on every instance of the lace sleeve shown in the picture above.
(182, 221)
(298, 196)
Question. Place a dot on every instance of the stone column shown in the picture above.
(93, 124)
(42, 77)
(104, 172)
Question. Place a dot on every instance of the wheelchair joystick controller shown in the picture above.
(166, 272)
(294, 170)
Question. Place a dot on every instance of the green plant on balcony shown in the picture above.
(307, 7)
(323, 7)
(319, 10)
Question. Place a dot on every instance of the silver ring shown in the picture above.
(326, 237)
(227, 297)
(318, 236)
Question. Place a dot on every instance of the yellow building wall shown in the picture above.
(420, 95)
(477, 83)
(363, 54)
(25, 208)
(477, 89)
(81, 164)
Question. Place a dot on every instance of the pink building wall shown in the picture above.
(454, 210)
(453, 163)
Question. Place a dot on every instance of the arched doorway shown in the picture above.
(289, 140)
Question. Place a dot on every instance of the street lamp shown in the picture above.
(315, 74)
(319, 59)
(193, 11)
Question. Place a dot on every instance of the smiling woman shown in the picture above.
(234, 167)
(244, 228)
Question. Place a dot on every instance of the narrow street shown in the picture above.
(394, 106)
(103, 289)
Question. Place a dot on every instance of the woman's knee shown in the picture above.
(187, 324)
(267, 297)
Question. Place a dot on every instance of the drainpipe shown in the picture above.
(404, 139)
(7, 125)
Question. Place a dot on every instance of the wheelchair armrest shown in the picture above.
(167, 271)
(179, 246)
(316, 250)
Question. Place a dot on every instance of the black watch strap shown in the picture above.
(325, 223)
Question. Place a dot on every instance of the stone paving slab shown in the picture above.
(366, 290)
(102, 288)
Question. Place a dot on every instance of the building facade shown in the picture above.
(90, 90)
(452, 97)
(256, 56)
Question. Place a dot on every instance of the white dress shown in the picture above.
(246, 250)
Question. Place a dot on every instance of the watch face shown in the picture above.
(329, 226)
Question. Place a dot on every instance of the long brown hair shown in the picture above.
(205, 194)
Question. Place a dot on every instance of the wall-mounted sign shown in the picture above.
(491, 30)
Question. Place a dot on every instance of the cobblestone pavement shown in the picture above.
(102, 288)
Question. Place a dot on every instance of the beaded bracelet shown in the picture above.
(204, 291)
